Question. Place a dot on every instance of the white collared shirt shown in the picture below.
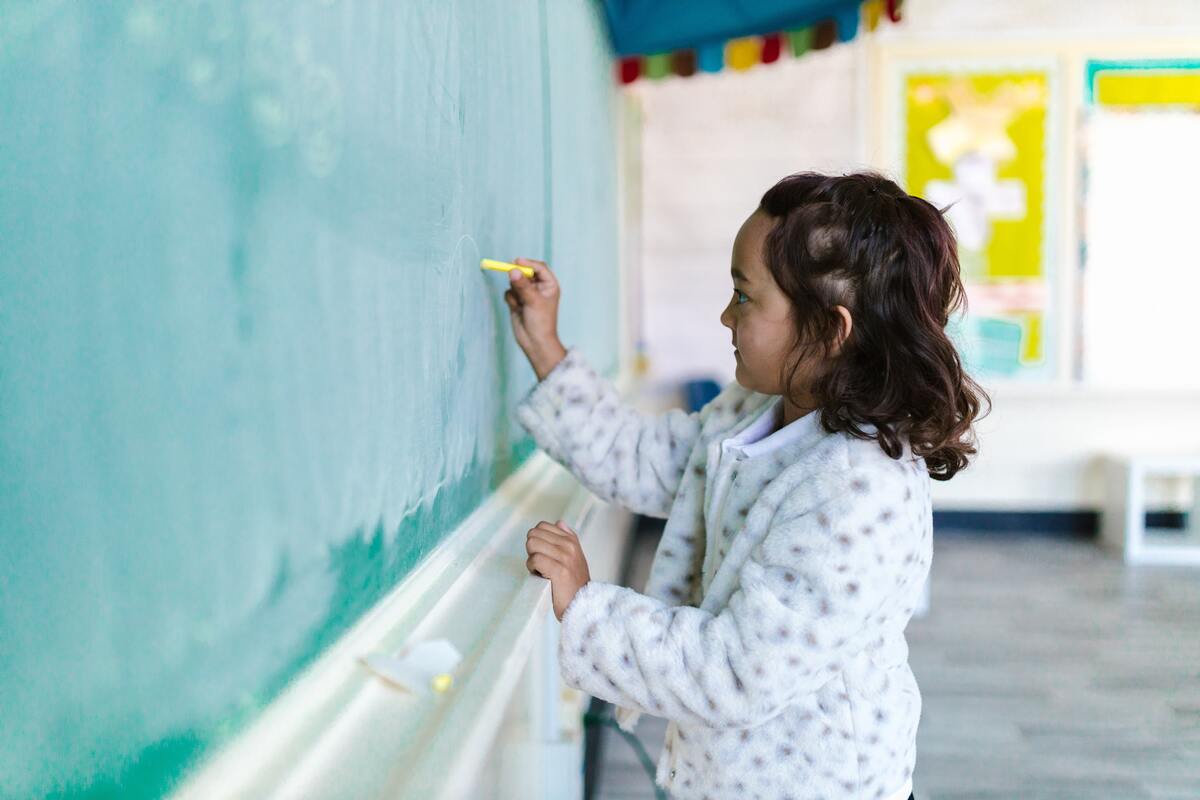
(761, 437)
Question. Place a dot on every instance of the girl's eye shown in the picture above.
(738, 293)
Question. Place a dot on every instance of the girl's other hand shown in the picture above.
(533, 307)
(555, 553)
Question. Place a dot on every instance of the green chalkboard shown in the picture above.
(250, 370)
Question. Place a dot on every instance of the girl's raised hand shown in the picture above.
(533, 307)
(555, 553)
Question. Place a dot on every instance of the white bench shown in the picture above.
(1124, 524)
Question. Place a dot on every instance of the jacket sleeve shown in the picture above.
(815, 590)
(620, 453)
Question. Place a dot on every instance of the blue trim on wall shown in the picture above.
(1069, 524)
(1081, 525)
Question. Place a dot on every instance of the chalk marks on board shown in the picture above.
(229, 52)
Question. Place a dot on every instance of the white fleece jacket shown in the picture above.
(780, 659)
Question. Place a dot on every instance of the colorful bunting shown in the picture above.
(746, 52)
(824, 35)
(657, 66)
(711, 57)
(847, 24)
(683, 63)
(742, 54)
(801, 40)
(872, 11)
(771, 45)
(631, 67)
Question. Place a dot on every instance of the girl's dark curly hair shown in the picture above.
(891, 259)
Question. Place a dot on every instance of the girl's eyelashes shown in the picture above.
(737, 292)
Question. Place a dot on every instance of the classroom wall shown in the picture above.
(714, 143)
(250, 370)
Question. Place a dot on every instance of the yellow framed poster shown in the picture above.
(978, 138)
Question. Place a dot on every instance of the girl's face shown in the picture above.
(759, 315)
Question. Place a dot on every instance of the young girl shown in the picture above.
(799, 527)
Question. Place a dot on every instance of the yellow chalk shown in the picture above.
(504, 266)
(442, 682)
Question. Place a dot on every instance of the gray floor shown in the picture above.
(1048, 671)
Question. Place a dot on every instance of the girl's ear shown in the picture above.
(847, 326)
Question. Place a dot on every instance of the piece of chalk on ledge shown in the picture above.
(421, 668)
(504, 266)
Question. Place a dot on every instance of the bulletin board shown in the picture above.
(1066, 167)
(1140, 271)
(979, 137)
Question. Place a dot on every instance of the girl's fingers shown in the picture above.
(569, 535)
(544, 276)
(538, 565)
(551, 527)
(541, 271)
(555, 546)
(561, 535)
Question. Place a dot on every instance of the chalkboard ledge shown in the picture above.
(340, 731)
